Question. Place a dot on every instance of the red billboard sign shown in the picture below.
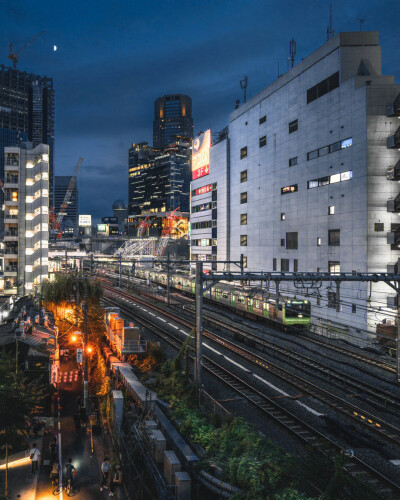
(204, 189)
(201, 155)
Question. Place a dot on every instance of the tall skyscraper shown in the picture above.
(70, 221)
(26, 217)
(26, 114)
(172, 118)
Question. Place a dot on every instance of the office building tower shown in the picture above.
(70, 222)
(26, 217)
(26, 113)
(172, 119)
(313, 164)
(158, 183)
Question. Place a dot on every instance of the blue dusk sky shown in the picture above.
(114, 58)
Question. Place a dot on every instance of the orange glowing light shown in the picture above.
(16, 463)
(74, 338)
(89, 350)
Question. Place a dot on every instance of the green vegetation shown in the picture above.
(20, 400)
(251, 462)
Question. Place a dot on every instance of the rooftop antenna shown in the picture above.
(329, 31)
(243, 86)
(361, 22)
(292, 50)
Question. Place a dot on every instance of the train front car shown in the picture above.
(296, 312)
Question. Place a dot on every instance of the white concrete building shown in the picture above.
(26, 217)
(308, 177)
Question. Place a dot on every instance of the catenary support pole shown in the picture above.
(120, 270)
(337, 296)
(277, 297)
(168, 281)
(199, 323)
(85, 354)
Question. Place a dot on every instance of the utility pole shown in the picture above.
(120, 270)
(91, 265)
(199, 323)
(241, 264)
(85, 365)
(277, 297)
(6, 447)
(168, 282)
(398, 336)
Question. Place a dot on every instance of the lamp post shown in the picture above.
(6, 447)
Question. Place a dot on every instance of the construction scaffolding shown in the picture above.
(137, 247)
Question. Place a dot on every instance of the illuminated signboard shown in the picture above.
(289, 189)
(201, 155)
(204, 189)
(85, 220)
(102, 228)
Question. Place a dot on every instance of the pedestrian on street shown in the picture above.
(55, 471)
(69, 471)
(34, 454)
(105, 469)
(116, 480)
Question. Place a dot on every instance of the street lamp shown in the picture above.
(6, 447)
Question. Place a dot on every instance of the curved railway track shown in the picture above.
(357, 468)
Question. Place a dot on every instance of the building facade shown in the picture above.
(26, 113)
(159, 183)
(70, 222)
(309, 186)
(26, 217)
(172, 118)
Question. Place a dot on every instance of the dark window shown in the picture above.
(243, 153)
(245, 261)
(214, 214)
(282, 243)
(379, 226)
(323, 87)
(214, 186)
(353, 308)
(334, 237)
(214, 250)
(263, 141)
(243, 219)
(274, 264)
(334, 147)
(243, 240)
(284, 265)
(214, 232)
(214, 195)
(312, 155)
(214, 266)
(263, 119)
(243, 197)
(323, 181)
(295, 265)
(332, 300)
(243, 176)
(293, 126)
(291, 241)
(318, 301)
(324, 151)
(293, 161)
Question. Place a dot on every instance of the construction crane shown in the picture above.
(55, 221)
(14, 55)
(142, 227)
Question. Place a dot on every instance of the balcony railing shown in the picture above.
(393, 204)
(11, 269)
(11, 233)
(10, 216)
(11, 179)
(394, 109)
(393, 237)
(393, 141)
(393, 173)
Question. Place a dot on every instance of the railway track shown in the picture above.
(347, 351)
(357, 468)
(382, 429)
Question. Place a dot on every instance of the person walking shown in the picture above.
(55, 472)
(34, 454)
(116, 480)
(69, 471)
(53, 450)
(105, 469)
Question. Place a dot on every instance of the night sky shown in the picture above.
(115, 58)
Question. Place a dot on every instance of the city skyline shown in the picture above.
(106, 79)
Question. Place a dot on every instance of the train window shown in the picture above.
(297, 309)
(240, 299)
(224, 295)
(265, 305)
(250, 302)
(257, 304)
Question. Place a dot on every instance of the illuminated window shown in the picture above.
(29, 164)
(283, 216)
(245, 261)
(331, 210)
(29, 182)
(334, 267)
(243, 153)
(346, 176)
(319, 241)
(243, 219)
(243, 240)
(45, 157)
(346, 143)
(243, 176)
(243, 197)
(334, 178)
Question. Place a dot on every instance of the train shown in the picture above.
(244, 301)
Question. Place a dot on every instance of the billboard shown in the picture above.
(109, 220)
(85, 220)
(102, 228)
(204, 189)
(201, 155)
